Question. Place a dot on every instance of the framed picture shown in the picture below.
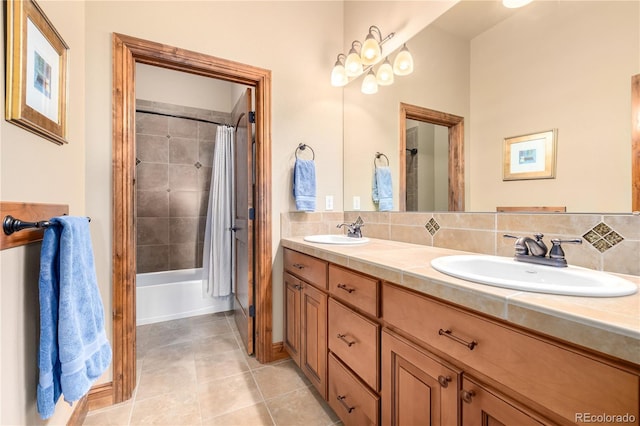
(531, 156)
(36, 89)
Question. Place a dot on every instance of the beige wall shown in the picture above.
(33, 169)
(289, 38)
(554, 87)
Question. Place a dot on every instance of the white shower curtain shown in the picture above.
(217, 262)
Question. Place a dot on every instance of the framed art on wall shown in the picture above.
(36, 69)
(531, 156)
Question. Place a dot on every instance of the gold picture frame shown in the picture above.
(36, 70)
(531, 156)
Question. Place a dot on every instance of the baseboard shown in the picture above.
(100, 396)
(79, 412)
(278, 352)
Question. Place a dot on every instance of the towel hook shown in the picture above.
(302, 147)
(377, 157)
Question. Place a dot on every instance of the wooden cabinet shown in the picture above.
(305, 316)
(482, 407)
(417, 387)
(380, 353)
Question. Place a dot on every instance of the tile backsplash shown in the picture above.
(611, 242)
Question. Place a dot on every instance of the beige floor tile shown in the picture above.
(280, 378)
(222, 396)
(118, 415)
(255, 415)
(180, 354)
(301, 407)
(210, 328)
(206, 347)
(169, 380)
(221, 364)
(176, 408)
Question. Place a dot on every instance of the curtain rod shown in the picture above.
(182, 116)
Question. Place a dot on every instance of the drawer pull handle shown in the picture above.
(298, 287)
(341, 399)
(444, 381)
(298, 265)
(450, 335)
(345, 288)
(467, 396)
(349, 343)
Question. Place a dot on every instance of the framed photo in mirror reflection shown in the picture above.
(530, 156)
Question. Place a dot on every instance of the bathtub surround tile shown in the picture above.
(182, 128)
(152, 258)
(184, 256)
(151, 124)
(152, 231)
(152, 176)
(183, 150)
(183, 177)
(207, 131)
(152, 203)
(183, 230)
(152, 148)
(184, 204)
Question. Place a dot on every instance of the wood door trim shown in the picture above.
(126, 52)
(456, 151)
(635, 143)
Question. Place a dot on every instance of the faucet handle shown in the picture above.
(556, 251)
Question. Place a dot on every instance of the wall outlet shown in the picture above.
(356, 202)
(328, 202)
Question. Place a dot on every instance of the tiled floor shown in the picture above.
(193, 371)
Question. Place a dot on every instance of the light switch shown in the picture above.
(328, 203)
(356, 202)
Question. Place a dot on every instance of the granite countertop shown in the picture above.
(608, 325)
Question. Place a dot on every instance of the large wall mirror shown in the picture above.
(551, 65)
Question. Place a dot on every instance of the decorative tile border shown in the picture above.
(432, 226)
(602, 237)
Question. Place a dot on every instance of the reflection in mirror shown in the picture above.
(562, 64)
(426, 171)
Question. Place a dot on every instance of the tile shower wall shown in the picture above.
(173, 165)
(611, 242)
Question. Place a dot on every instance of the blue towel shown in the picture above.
(74, 350)
(304, 185)
(382, 191)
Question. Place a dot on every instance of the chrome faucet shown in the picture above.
(353, 229)
(535, 251)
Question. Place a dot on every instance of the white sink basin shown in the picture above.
(335, 239)
(509, 273)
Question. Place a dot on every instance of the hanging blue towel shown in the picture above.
(304, 185)
(74, 350)
(382, 191)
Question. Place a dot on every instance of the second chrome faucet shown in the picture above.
(535, 250)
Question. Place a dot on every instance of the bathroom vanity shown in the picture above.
(386, 339)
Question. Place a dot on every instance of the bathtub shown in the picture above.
(168, 295)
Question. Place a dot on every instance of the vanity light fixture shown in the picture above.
(514, 4)
(362, 58)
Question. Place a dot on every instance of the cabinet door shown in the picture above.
(292, 298)
(483, 407)
(314, 337)
(417, 388)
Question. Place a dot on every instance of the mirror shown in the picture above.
(549, 65)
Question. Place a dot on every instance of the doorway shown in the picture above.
(127, 51)
(455, 126)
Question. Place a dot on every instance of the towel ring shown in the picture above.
(377, 157)
(302, 147)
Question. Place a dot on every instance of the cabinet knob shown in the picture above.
(298, 265)
(444, 381)
(467, 396)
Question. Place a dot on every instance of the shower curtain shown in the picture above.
(217, 262)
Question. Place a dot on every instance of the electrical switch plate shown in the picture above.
(328, 203)
(356, 202)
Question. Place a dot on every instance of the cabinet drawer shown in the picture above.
(356, 341)
(355, 289)
(352, 401)
(551, 376)
(310, 269)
